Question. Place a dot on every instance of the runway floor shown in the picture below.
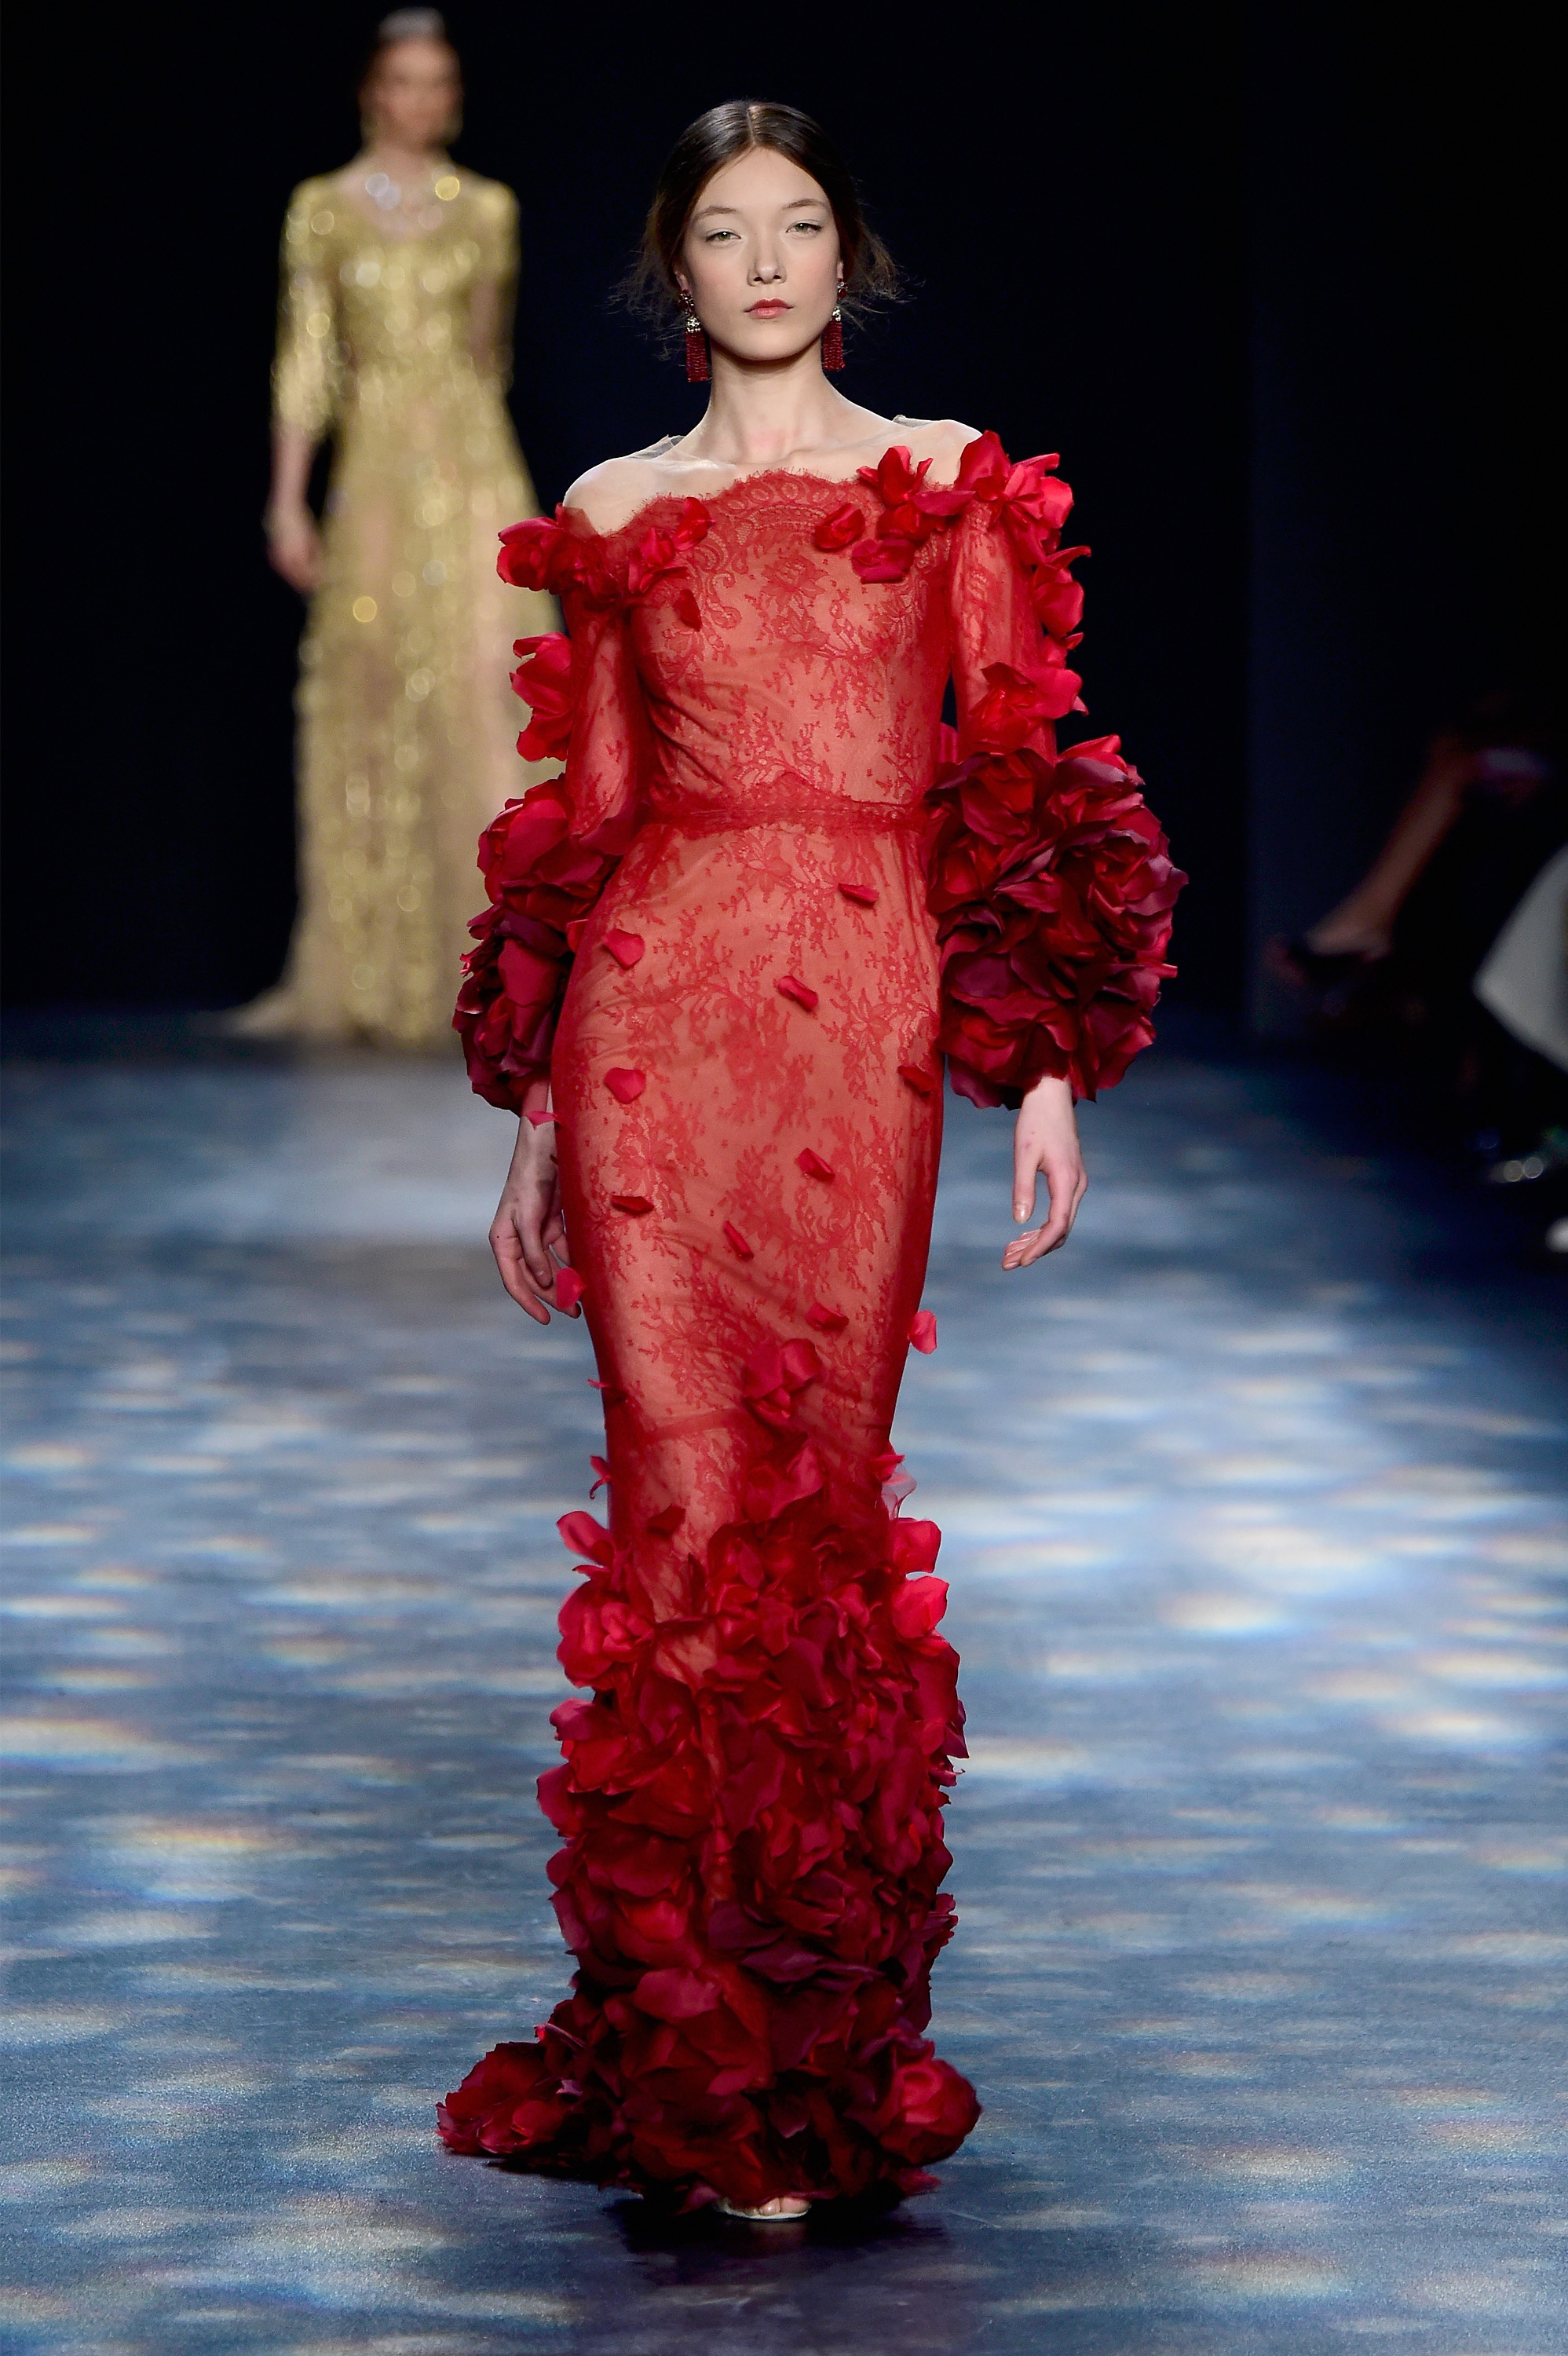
(1255, 1515)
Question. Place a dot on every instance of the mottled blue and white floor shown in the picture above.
(1255, 1504)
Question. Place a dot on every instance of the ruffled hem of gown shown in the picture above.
(752, 1801)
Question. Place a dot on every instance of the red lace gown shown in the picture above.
(768, 898)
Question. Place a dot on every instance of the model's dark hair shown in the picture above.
(715, 139)
(406, 25)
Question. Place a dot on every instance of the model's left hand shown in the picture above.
(1046, 1140)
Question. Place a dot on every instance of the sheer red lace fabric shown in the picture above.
(768, 898)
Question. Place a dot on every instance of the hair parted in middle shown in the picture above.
(715, 139)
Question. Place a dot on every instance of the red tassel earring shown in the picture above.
(697, 368)
(833, 339)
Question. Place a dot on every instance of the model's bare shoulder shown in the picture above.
(612, 493)
(944, 441)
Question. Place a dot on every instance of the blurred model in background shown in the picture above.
(1411, 955)
(399, 280)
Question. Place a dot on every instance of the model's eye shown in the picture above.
(813, 226)
(717, 236)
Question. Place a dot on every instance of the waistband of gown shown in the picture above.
(814, 818)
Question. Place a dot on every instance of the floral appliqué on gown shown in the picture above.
(770, 896)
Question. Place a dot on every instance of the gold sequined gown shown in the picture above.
(396, 345)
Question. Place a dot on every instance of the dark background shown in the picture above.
(1274, 283)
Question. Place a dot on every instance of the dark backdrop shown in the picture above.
(1270, 293)
(1404, 274)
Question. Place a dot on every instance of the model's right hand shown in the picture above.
(293, 548)
(527, 1234)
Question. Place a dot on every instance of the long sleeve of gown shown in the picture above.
(1049, 879)
(547, 858)
(496, 286)
(307, 368)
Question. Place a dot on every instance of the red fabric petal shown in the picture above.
(1057, 598)
(625, 1086)
(814, 1165)
(929, 2109)
(865, 895)
(543, 678)
(660, 554)
(665, 1524)
(689, 611)
(916, 1077)
(539, 1120)
(801, 1364)
(533, 554)
(567, 1287)
(549, 553)
(541, 883)
(895, 476)
(923, 1330)
(624, 947)
(882, 559)
(918, 1605)
(737, 1241)
(612, 1396)
(580, 1533)
(798, 991)
(1052, 888)
(826, 1320)
(842, 529)
(983, 468)
(524, 551)
(634, 1205)
(510, 2099)
(1010, 713)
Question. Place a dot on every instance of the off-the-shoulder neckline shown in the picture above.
(584, 530)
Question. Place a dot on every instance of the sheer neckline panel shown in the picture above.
(771, 478)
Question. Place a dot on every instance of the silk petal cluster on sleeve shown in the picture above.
(1049, 880)
(547, 857)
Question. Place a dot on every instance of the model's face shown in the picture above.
(761, 264)
(413, 95)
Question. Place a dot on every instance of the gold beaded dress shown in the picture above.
(396, 345)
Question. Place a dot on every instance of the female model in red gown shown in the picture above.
(737, 939)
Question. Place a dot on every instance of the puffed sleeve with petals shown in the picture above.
(1048, 877)
(547, 858)
(307, 369)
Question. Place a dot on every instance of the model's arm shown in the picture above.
(1046, 1145)
(294, 543)
(493, 306)
(305, 389)
(1362, 925)
(527, 1234)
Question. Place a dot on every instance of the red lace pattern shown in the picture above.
(1048, 878)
